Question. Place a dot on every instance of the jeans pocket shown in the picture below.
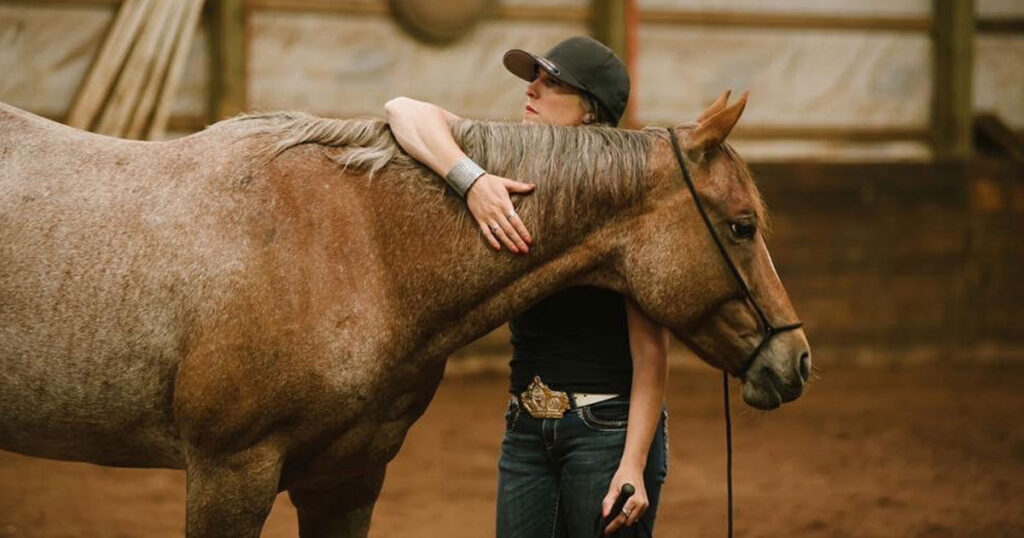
(610, 415)
(511, 415)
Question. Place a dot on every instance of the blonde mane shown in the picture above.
(599, 167)
(575, 168)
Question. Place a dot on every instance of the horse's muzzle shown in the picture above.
(778, 375)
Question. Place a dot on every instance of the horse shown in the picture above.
(269, 304)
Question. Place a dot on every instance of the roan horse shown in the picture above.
(269, 304)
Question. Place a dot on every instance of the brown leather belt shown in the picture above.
(541, 402)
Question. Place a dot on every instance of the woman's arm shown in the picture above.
(648, 343)
(422, 131)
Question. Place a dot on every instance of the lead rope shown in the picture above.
(728, 444)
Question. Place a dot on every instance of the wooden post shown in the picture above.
(158, 126)
(104, 71)
(228, 48)
(613, 22)
(120, 106)
(953, 47)
(147, 100)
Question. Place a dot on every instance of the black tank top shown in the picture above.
(576, 340)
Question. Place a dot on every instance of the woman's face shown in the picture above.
(550, 101)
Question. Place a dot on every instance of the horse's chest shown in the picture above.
(380, 417)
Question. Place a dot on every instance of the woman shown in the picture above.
(589, 353)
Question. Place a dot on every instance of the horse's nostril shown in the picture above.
(805, 366)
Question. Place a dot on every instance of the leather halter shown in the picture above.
(768, 331)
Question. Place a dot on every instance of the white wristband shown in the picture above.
(462, 176)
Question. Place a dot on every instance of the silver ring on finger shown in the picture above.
(495, 228)
(512, 213)
(625, 513)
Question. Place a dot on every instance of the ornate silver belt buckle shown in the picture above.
(542, 402)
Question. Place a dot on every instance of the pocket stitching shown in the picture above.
(598, 424)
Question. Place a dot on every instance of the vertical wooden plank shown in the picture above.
(121, 104)
(101, 76)
(611, 23)
(147, 101)
(953, 51)
(158, 127)
(228, 48)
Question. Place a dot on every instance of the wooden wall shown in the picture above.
(830, 79)
(920, 259)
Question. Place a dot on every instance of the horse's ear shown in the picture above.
(716, 107)
(712, 131)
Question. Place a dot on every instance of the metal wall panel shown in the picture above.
(999, 8)
(830, 79)
(351, 65)
(45, 52)
(999, 77)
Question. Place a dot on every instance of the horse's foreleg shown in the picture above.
(231, 495)
(338, 510)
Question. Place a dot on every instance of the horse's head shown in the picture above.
(683, 279)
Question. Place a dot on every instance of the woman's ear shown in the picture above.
(588, 118)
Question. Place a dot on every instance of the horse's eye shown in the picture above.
(743, 230)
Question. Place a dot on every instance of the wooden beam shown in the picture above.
(728, 19)
(326, 6)
(791, 21)
(228, 59)
(1000, 25)
(187, 30)
(788, 21)
(832, 134)
(953, 49)
(37, 3)
(109, 60)
(610, 24)
(996, 136)
(143, 111)
(120, 106)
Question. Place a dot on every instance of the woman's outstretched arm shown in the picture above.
(648, 343)
(422, 131)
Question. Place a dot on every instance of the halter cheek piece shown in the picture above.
(768, 331)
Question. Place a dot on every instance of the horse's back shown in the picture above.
(100, 241)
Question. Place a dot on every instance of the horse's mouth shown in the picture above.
(764, 389)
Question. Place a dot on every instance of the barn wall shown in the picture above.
(847, 80)
(834, 93)
(890, 257)
(46, 49)
(338, 65)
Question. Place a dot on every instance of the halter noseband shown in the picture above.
(768, 330)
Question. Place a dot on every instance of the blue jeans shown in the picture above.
(554, 473)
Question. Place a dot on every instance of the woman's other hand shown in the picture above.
(635, 506)
(490, 203)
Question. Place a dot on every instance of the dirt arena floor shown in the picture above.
(906, 452)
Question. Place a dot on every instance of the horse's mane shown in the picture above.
(571, 165)
(574, 167)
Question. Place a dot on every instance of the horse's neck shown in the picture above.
(457, 288)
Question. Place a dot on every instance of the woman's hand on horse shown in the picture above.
(490, 203)
(637, 504)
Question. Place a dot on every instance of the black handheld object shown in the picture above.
(625, 493)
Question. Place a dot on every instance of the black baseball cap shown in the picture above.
(582, 63)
